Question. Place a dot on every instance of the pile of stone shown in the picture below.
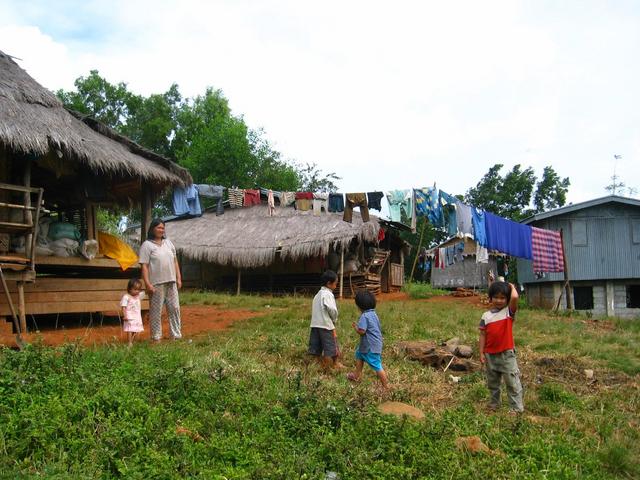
(449, 355)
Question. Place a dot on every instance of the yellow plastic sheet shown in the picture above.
(112, 247)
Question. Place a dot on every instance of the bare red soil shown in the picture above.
(196, 320)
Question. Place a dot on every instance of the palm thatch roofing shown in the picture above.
(34, 121)
(249, 238)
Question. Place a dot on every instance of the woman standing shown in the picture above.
(161, 275)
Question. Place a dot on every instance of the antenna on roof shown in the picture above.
(615, 185)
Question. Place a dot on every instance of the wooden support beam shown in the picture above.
(147, 210)
(28, 217)
(22, 310)
(341, 271)
(239, 282)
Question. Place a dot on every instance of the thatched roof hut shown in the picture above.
(34, 122)
(249, 238)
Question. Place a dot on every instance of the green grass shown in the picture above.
(421, 290)
(257, 408)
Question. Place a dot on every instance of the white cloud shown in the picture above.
(386, 95)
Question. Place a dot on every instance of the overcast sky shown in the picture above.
(386, 94)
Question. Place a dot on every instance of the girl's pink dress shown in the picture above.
(133, 310)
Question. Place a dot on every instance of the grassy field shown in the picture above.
(248, 404)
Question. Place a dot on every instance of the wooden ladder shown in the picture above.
(15, 267)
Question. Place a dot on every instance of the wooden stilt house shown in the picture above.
(54, 160)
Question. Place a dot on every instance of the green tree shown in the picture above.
(551, 191)
(200, 133)
(312, 179)
(95, 96)
(510, 196)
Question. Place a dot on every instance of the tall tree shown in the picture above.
(551, 191)
(510, 196)
(200, 133)
(312, 179)
(104, 101)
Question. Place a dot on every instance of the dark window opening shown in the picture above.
(633, 296)
(583, 298)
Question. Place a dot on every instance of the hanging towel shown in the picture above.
(463, 218)
(304, 204)
(448, 203)
(546, 247)
(236, 197)
(271, 203)
(507, 236)
(482, 254)
(319, 203)
(336, 202)
(374, 200)
(441, 258)
(479, 228)
(251, 198)
(304, 196)
(287, 198)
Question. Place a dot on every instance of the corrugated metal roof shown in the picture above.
(582, 205)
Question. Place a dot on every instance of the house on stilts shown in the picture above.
(58, 161)
(602, 251)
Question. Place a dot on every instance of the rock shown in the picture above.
(588, 373)
(416, 349)
(452, 344)
(400, 409)
(472, 445)
(464, 351)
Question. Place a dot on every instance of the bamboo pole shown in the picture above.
(567, 285)
(341, 272)
(415, 260)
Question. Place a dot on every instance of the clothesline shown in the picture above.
(442, 210)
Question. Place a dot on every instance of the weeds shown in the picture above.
(254, 406)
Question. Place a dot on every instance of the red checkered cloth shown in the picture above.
(546, 246)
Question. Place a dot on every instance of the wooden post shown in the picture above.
(147, 211)
(22, 311)
(92, 229)
(239, 280)
(28, 218)
(567, 285)
(341, 272)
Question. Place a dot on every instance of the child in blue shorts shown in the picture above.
(370, 348)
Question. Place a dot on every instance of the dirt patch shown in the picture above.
(572, 372)
(196, 320)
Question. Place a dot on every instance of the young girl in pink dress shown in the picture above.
(131, 309)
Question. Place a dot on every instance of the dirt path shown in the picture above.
(196, 320)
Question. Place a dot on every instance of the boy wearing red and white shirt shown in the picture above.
(497, 350)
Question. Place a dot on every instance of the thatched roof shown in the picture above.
(249, 238)
(33, 120)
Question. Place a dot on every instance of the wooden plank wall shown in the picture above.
(69, 295)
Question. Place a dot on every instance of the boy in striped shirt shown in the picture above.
(497, 350)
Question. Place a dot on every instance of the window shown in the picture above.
(579, 233)
(635, 230)
(583, 298)
(633, 296)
